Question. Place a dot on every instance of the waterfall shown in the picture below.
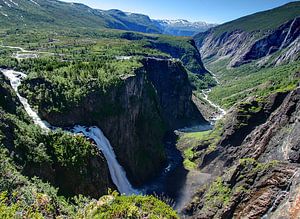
(222, 111)
(282, 195)
(15, 81)
(117, 173)
(283, 44)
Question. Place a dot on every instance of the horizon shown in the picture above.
(216, 11)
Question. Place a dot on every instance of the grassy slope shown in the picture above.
(248, 80)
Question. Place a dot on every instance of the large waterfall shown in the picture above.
(117, 173)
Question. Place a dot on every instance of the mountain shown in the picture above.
(252, 154)
(132, 21)
(256, 36)
(182, 27)
(56, 13)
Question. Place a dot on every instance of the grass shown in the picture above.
(218, 192)
(249, 80)
(261, 21)
(188, 143)
(188, 156)
(128, 207)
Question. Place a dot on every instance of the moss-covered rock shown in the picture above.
(135, 206)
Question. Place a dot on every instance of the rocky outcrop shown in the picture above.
(247, 190)
(174, 92)
(257, 158)
(135, 114)
(286, 36)
(184, 49)
(243, 46)
(188, 53)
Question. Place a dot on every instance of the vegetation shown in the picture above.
(256, 167)
(260, 22)
(49, 13)
(24, 146)
(188, 143)
(248, 80)
(24, 198)
(115, 206)
(218, 193)
(68, 83)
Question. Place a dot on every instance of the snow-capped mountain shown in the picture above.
(183, 27)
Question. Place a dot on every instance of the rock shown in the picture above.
(244, 46)
(257, 162)
(247, 198)
(135, 114)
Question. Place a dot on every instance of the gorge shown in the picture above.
(97, 122)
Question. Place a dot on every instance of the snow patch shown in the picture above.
(184, 23)
(11, 1)
(9, 5)
(34, 2)
(3, 14)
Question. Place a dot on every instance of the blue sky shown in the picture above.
(214, 11)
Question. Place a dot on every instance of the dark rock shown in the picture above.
(243, 47)
(135, 115)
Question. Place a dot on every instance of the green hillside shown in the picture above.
(261, 21)
(49, 13)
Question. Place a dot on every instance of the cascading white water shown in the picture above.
(222, 111)
(282, 195)
(15, 81)
(283, 44)
(117, 173)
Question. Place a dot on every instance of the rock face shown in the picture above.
(174, 92)
(188, 54)
(135, 115)
(257, 159)
(242, 46)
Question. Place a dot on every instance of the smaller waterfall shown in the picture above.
(15, 79)
(222, 111)
(283, 44)
(282, 195)
(117, 173)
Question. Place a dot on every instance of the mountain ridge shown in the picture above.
(254, 37)
(56, 13)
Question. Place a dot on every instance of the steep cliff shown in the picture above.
(255, 161)
(254, 37)
(182, 48)
(134, 114)
(71, 163)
